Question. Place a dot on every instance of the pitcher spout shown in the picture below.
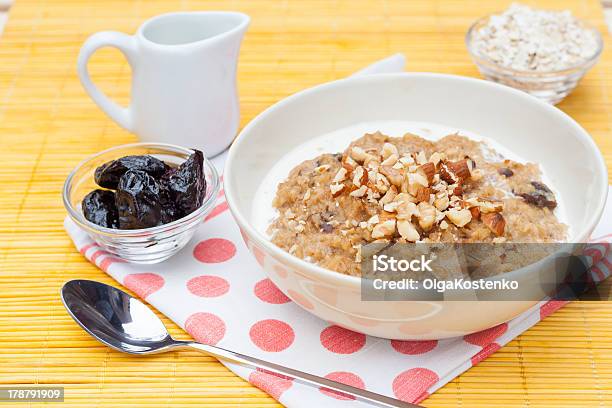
(194, 28)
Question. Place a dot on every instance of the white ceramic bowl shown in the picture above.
(530, 128)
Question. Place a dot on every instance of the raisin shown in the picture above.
(504, 171)
(138, 200)
(99, 207)
(186, 185)
(541, 186)
(541, 197)
(108, 174)
(539, 200)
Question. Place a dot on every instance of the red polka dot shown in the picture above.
(280, 271)
(550, 307)
(208, 286)
(206, 328)
(272, 383)
(410, 385)
(214, 250)
(259, 255)
(143, 284)
(272, 335)
(345, 378)
(413, 347)
(342, 341)
(300, 300)
(108, 261)
(485, 352)
(269, 293)
(484, 337)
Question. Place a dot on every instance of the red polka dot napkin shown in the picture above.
(217, 292)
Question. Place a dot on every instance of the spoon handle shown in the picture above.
(302, 377)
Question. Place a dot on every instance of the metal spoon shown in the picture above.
(125, 324)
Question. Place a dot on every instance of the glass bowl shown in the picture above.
(148, 245)
(550, 86)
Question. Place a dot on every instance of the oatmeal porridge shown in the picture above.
(409, 189)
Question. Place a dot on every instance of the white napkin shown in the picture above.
(216, 291)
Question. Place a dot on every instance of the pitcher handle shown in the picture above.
(127, 45)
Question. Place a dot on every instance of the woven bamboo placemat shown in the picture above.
(48, 124)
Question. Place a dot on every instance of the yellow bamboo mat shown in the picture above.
(48, 124)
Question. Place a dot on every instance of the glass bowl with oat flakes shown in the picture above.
(542, 52)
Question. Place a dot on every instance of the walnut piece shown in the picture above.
(459, 217)
(407, 231)
(384, 229)
(495, 222)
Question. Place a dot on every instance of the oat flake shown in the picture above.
(529, 39)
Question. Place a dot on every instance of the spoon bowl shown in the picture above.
(115, 318)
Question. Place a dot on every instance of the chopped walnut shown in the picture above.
(393, 175)
(495, 222)
(388, 150)
(323, 168)
(428, 171)
(390, 161)
(384, 229)
(427, 215)
(340, 175)
(336, 189)
(407, 231)
(432, 190)
(459, 217)
(360, 176)
(360, 192)
(358, 154)
(420, 157)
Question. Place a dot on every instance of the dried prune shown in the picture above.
(149, 191)
(138, 200)
(169, 210)
(108, 174)
(99, 207)
(186, 185)
(542, 196)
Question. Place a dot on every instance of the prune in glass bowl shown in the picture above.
(186, 185)
(142, 245)
(99, 207)
(108, 174)
(138, 201)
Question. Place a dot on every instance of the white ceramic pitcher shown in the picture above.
(183, 78)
